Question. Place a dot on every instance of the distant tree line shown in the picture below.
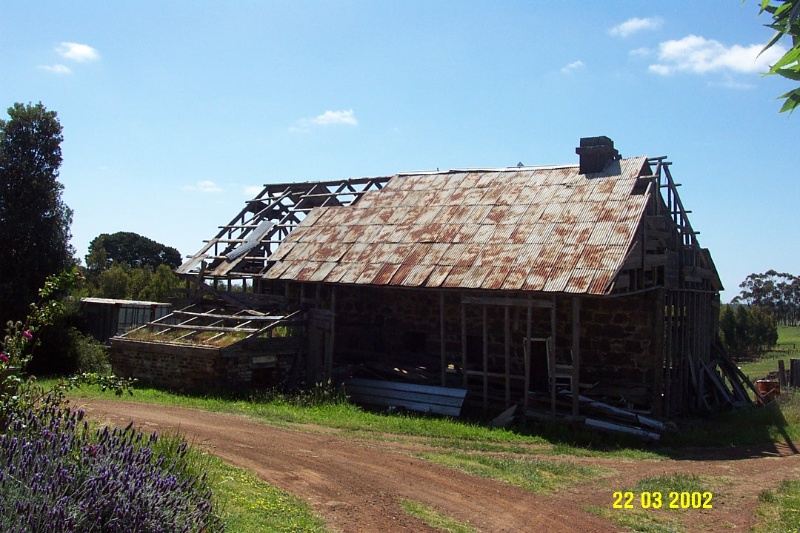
(128, 266)
(745, 330)
(776, 293)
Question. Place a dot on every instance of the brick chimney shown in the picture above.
(595, 153)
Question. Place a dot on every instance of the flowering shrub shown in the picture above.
(57, 475)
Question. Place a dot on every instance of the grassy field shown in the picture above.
(250, 505)
(788, 340)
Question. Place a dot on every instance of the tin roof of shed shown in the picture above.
(548, 229)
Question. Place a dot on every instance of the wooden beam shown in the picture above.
(576, 354)
(519, 302)
(485, 360)
(464, 343)
(442, 339)
(552, 355)
(507, 350)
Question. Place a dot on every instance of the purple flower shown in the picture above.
(3, 358)
(27, 334)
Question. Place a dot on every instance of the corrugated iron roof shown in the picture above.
(540, 229)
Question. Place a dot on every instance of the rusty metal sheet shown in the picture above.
(453, 180)
(474, 277)
(353, 252)
(336, 273)
(437, 276)
(455, 196)
(307, 272)
(536, 279)
(483, 234)
(502, 235)
(367, 199)
(557, 280)
(496, 277)
(436, 198)
(552, 213)
(283, 249)
(418, 275)
(623, 187)
(369, 252)
(418, 254)
(494, 195)
(453, 254)
(569, 255)
(298, 251)
(429, 215)
(580, 234)
(385, 233)
(400, 215)
(559, 233)
(384, 275)
(277, 270)
(412, 199)
(316, 216)
(370, 234)
(353, 234)
(293, 269)
(580, 281)
(323, 270)
(470, 180)
(368, 275)
(352, 272)
(516, 277)
(571, 213)
(601, 281)
(473, 196)
(529, 254)
(400, 274)
(521, 233)
(470, 255)
(456, 277)
(402, 233)
(449, 233)
(533, 214)
(496, 214)
(466, 232)
(326, 252)
(488, 179)
(548, 256)
(382, 215)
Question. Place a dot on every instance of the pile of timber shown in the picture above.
(719, 384)
(603, 417)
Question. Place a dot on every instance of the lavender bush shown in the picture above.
(57, 475)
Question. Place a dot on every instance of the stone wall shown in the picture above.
(256, 362)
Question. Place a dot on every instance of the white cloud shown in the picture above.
(699, 56)
(572, 67)
(77, 52)
(336, 117)
(636, 24)
(328, 118)
(56, 69)
(252, 190)
(205, 186)
(640, 52)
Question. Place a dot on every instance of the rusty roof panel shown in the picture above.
(418, 275)
(437, 276)
(580, 233)
(368, 275)
(298, 251)
(449, 233)
(601, 281)
(496, 277)
(488, 179)
(370, 234)
(470, 180)
(516, 277)
(353, 234)
(400, 215)
(501, 234)
(384, 275)
(456, 277)
(579, 281)
(453, 254)
(552, 212)
(402, 272)
(323, 270)
(559, 233)
(465, 233)
(473, 196)
(277, 269)
(529, 254)
(557, 280)
(470, 255)
(520, 233)
(352, 273)
(473, 278)
(336, 273)
(429, 214)
(293, 269)
(328, 252)
(536, 279)
(483, 234)
(496, 214)
(353, 252)
(283, 249)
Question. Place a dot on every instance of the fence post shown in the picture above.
(794, 372)
(781, 374)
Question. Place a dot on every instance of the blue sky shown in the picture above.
(174, 113)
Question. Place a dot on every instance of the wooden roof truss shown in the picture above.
(241, 248)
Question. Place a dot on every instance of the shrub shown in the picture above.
(59, 476)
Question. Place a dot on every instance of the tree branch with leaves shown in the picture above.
(785, 22)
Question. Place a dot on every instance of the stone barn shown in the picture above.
(512, 283)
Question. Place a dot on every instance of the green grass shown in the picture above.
(639, 521)
(788, 338)
(673, 483)
(779, 510)
(249, 504)
(531, 474)
(434, 519)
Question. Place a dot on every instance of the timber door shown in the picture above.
(319, 362)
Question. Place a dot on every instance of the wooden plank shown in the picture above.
(407, 387)
(519, 302)
(576, 353)
(442, 338)
(782, 374)
(423, 398)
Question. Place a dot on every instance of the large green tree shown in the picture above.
(34, 220)
(130, 249)
(786, 23)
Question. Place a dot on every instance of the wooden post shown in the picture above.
(659, 356)
(576, 354)
(442, 339)
(794, 373)
(527, 351)
(552, 356)
(508, 354)
(464, 343)
(781, 375)
(485, 361)
(330, 347)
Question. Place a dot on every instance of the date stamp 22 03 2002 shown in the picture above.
(658, 500)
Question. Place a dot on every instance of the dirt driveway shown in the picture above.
(356, 485)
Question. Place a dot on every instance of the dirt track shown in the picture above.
(356, 485)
